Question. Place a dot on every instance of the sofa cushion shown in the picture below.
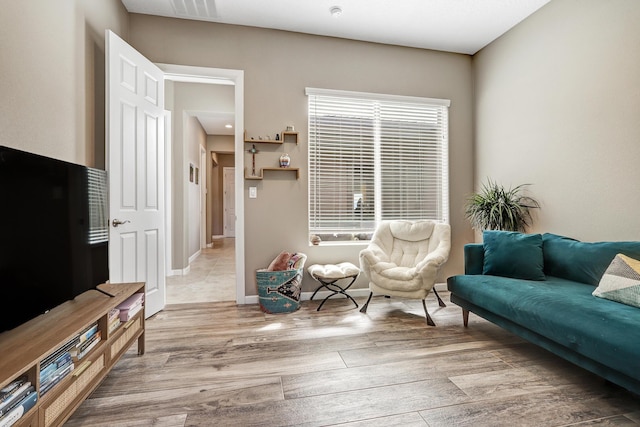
(621, 281)
(562, 311)
(513, 254)
(579, 261)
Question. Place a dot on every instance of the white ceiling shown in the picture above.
(460, 26)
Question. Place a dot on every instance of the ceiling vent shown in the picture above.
(195, 8)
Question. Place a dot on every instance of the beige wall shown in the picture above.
(52, 68)
(278, 66)
(558, 106)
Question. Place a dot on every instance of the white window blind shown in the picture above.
(98, 206)
(375, 157)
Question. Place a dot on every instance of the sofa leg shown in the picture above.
(430, 321)
(364, 307)
(465, 317)
(440, 302)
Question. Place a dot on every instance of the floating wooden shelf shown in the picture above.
(285, 137)
(261, 176)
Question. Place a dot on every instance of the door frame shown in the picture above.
(193, 74)
(202, 181)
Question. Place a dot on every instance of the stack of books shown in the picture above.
(87, 340)
(131, 306)
(15, 400)
(113, 319)
(56, 366)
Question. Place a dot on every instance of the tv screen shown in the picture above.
(53, 233)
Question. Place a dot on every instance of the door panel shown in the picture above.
(135, 162)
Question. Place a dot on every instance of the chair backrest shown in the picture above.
(409, 242)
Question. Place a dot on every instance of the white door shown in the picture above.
(135, 165)
(229, 201)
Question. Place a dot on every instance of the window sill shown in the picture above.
(329, 243)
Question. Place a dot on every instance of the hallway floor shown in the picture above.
(211, 277)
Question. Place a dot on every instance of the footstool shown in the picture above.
(328, 276)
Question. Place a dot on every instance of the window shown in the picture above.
(372, 158)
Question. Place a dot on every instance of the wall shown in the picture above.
(277, 67)
(52, 68)
(557, 105)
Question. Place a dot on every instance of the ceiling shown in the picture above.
(459, 26)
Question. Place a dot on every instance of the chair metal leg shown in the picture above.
(440, 302)
(364, 307)
(430, 321)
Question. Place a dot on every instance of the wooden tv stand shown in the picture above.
(23, 349)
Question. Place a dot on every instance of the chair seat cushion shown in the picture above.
(333, 271)
(397, 278)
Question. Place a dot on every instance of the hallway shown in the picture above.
(211, 277)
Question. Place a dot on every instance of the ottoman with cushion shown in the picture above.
(329, 274)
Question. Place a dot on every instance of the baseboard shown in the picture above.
(194, 256)
(182, 272)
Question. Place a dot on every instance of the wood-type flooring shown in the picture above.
(220, 364)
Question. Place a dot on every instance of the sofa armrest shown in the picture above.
(473, 258)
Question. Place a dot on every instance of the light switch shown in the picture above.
(253, 192)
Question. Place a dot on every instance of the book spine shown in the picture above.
(22, 408)
(15, 398)
(86, 350)
(87, 334)
(59, 369)
(126, 315)
(113, 325)
(62, 361)
(7, 390)
(60, 351)
(55, 380)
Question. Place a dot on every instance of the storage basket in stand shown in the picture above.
(279, 291)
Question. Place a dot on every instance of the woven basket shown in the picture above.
(279, 291)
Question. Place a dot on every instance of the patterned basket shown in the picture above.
(279, 291)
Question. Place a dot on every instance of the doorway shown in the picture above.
(182, 73)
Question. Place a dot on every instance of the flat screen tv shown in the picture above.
(53, 233)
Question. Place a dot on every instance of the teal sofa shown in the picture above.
(544, 295)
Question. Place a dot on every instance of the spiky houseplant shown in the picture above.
(497, 208)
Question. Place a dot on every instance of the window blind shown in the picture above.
(375, 157)
(98, 206)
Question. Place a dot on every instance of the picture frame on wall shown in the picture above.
(190, 172)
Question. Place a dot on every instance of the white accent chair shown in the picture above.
(403, 259)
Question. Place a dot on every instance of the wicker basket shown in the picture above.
(279, 291)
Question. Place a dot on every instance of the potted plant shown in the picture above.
(496, 208)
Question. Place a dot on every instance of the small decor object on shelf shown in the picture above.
(253, 150)
(285, 160)
(277, 137)
(290, 128)
(315, 239)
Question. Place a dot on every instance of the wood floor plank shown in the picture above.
(220, 364)
(339, 380)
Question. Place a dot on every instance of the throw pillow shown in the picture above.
(583, 262)
(513, 254)
(281, 262)
(621, 281)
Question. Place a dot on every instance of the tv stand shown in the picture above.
(24, 348)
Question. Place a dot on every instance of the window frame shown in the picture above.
(384, 103)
